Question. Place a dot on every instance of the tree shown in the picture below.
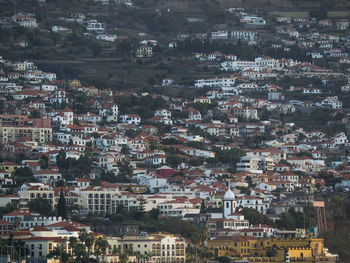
(87, 239)
(125, 168)
(249, 181)
(223, 259)
(142, 206)
(41, 206)
(7, 209)
(100, 247)
(173, 160)
(244, 190)
(83, 235)
(254, 217)
(44, 162)
(61, 160)
(59, 252)
(73, 241)
(34, 114)
(17, 223)
(89, 243)
(22, 175)
(271, 252)
(61, 206)
(80, 253)
(203, 209)
(154, 213)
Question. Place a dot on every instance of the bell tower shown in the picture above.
(229, 206)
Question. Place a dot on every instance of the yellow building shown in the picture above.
(235, 246)
(8, 167)
(307, 249)
(10, 134)
(161, 247)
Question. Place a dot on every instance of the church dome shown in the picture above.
(229, 195)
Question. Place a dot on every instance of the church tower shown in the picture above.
(229, 202)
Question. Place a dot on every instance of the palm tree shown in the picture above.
(195, 240)
(80, 253)
(73, 241)
(83, 235)
(90, 240)
(100, 247)
(17, 223)
(87, 239)
(125, 169)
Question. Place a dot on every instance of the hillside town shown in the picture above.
(244, 159)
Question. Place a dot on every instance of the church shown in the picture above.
(225, 217)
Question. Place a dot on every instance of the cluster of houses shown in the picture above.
(42, 236)
(178, 156)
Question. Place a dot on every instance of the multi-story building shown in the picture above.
(6, 227)
(253, 202)
(98, 199)
(221, 34)
(257, 164)
(244, 34)
(13, 120)
(38, 130)
(31, 191)
(161, 247)
(215, 82)
(253, 249)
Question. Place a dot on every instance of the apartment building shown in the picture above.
(13, 120)
(97, 199)
(38, 130)
(31, 191)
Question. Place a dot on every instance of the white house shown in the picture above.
(93, 25)
(266, 187)
(163, 112)
(244, 35)
(107, 37)
(221, 34)
(215, 82)
(130, 119)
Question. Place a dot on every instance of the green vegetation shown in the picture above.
(255, 218)
(195, 45)
(316, 119)
(293, 219)
(228, 156)
(7, 209)
(150, 221)
(143, 106)
(40, 205)
(61, 206)
(74, 168)
(22, 175)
